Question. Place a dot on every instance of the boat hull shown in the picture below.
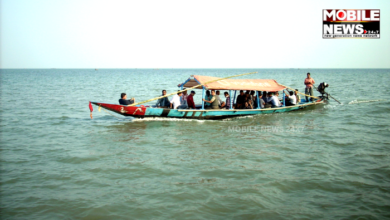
(142, 112)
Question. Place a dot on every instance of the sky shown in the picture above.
(183, 34)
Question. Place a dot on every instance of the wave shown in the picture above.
(365, 101)
(165, 119)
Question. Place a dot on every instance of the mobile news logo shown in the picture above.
(351, 23)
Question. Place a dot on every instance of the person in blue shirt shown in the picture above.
(261, 100)
(208, 98)
(163, 102)
(124, 101)
(274, 100)
(265, 96)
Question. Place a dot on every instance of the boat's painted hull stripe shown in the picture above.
(198, 114)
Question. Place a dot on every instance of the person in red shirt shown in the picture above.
(309, 82)
(190, 100)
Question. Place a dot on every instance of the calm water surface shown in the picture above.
(329, 162)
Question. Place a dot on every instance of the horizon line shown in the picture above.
(189, 68)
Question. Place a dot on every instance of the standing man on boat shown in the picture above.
(190, 100)
(163, 102)
(309, 82)
(124, 101)
(214, 103)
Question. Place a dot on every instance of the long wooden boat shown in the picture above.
(141, 111)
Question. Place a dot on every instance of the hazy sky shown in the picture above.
(183, 34)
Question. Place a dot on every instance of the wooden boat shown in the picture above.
(141, 111)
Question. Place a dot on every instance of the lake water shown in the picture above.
(327, 162)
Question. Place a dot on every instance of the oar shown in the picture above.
(327, 94)
(211, 81)
(332, 97)
(299, 92)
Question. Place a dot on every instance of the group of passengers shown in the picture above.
(184, 101)
(249, 100)
(212, 100)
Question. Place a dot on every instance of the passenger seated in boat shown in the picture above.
(227, 103)
(252, 93)
(265, 97)
(124, 101)
(163, 102)
(175, 101)
(273, 100)
(213, 101)
(290, 99)
(268, 103)
(261, 101)
(183, 98)
(190, 100)
(248, 102)
(279, 99)
(298, 97)
(220, 102)
(240, 102)
(277, 95)
(208, 98)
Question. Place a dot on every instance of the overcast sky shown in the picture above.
(183, 34)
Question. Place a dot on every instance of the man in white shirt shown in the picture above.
(290, 99)
(220, 102)
(273, 99)
(175, 101)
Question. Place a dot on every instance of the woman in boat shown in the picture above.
(248, 102)
(208, 98)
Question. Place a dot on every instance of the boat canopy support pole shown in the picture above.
(182, 85)
(234, 98)
(258, 100)
(284, 99)
(203, 98)
(230, 97)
